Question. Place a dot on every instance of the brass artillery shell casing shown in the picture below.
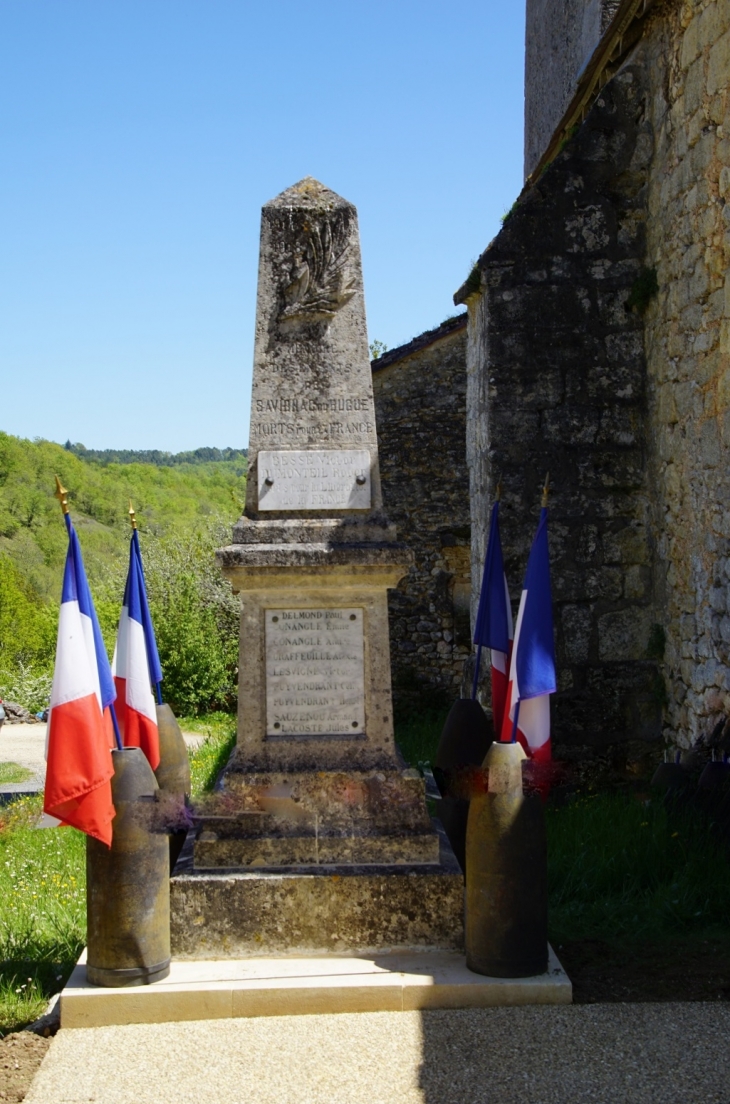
(128, 885)
(506, 873)
(173, 772)
(465, 740)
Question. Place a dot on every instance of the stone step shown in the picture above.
(212, 853)
(294, 986)
(317, 909)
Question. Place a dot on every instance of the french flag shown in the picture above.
(80, 735)
(136, 664)
(493, 628)
(532, 677)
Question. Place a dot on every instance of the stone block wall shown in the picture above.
(687, 49)
(628, 408)
(556, 378)
(420, 410)
(559, 38)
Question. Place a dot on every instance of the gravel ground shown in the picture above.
(25, 744)
(592, 1054)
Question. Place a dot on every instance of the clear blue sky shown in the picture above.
(140, 139)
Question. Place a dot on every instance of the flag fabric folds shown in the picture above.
(493, 627)
(136, 664)
(80, 736)
(532, 677)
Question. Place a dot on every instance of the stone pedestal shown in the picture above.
(318, 835)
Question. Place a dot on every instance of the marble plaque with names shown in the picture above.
(314, 479)
(314, 672)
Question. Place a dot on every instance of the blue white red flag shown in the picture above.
(80, 735)
(532, 677)
(493, 627)
(136, 664)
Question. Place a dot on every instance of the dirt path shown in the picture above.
(20, 1057)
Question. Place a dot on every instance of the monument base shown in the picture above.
(288, 986)
(367, 909)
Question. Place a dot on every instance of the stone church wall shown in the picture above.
(688, 356)
(420, 409)
(557, 382)
(598, 348)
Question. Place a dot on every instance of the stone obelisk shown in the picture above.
(313, 536)
(318, 837)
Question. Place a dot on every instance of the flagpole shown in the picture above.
(62, 495)
(516, 721)
(133, 523)
(115, 726)
(475, 683)
(476, 673)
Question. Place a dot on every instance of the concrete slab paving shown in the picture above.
(305, 986)
(602, 1054)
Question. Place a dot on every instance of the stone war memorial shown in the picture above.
(315, 878)
(318, 838)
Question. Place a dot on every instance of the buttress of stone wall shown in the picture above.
(688, 346)
(557, 382)
(420, 409)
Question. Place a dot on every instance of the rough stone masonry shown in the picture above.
(598, 348)
(420, 402)
(556, 380)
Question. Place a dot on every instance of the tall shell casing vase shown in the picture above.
(506, 873)
(465, 740)
(128, 885)
(173, 774)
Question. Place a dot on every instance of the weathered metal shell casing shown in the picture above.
(173, 772)
(465, 740)
(128, 885)
(506, 873)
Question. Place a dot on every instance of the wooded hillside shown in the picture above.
(184, 511)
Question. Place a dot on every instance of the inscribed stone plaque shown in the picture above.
(314, 672)
(316, 479)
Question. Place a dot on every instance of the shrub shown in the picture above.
(196, 620)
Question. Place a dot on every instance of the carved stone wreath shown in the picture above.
(318, 282)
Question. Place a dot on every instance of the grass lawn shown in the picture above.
(639, 897)
(13, 772)
(43, 888)
(418, 736)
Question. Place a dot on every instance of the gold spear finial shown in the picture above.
(546, 490)
(132, 518)
(61, 494)
(498, 492)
